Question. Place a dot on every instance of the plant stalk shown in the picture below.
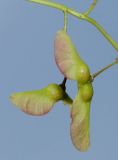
(103, 69)
(79, 16)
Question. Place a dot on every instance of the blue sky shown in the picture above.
(27, 34)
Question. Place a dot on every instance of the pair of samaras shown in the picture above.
(73, 67)
(40, 102)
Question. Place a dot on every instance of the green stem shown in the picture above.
(79, 16)
(50, 4)
(103, 32)
(65, 21)
(92, 6)
(105, 68)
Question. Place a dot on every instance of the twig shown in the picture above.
(65, 21)
(103, 69)
(79, 16)
(92, 6)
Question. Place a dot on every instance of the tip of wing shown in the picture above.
(80, 136)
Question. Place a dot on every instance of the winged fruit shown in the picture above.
(80, 114)
(68, 60)
(39, 102)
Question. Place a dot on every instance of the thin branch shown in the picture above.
(50, 4)
(65, 21)
(103, 32)
(92, 6)
(79, 16)
(103, 69)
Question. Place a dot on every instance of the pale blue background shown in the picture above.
(27, 34)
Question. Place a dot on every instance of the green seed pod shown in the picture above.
(39, 102)
(68, 60)
(55, 91)
(86, 91)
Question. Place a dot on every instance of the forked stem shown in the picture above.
(78, 15)
(92, 6)
(103, 69)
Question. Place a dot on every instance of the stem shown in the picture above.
(66, 99)
(103, 69)
(63, 84)
(79, 16)
(92, 6)
(65, 21)
(103, 32)
(50, 4)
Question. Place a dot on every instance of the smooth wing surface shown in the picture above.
(33, 102)
(67, 58)
(80, 115)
